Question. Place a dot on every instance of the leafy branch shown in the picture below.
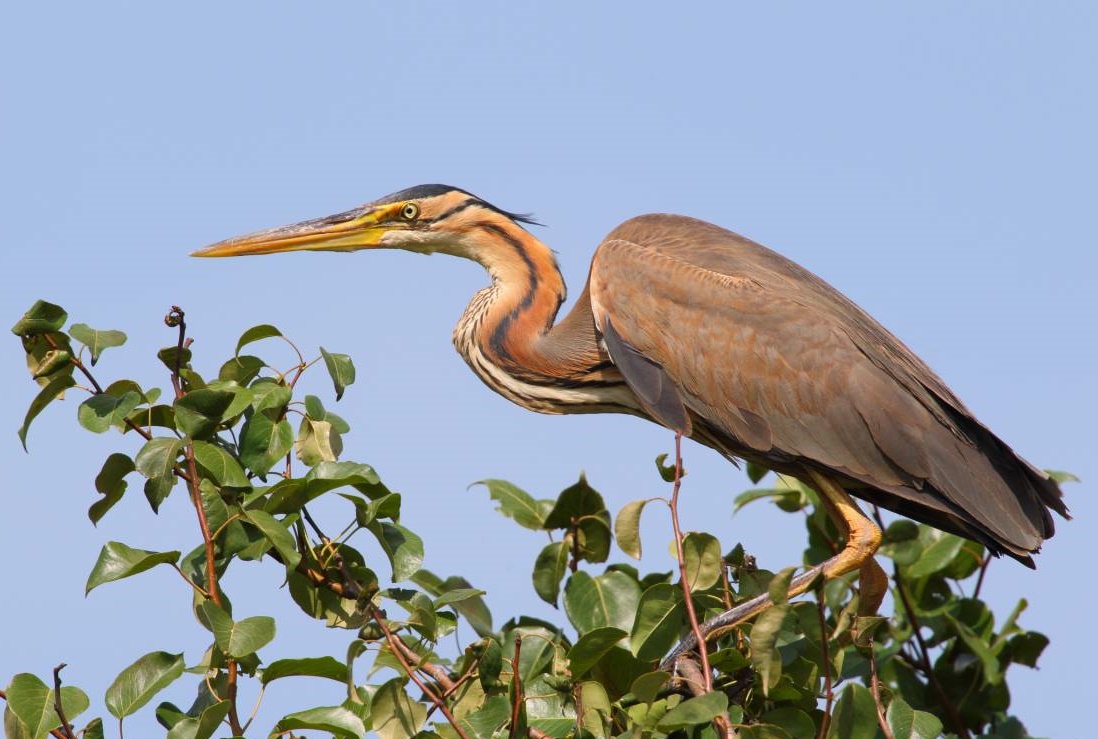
(815, 667)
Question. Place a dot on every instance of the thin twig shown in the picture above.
(829, 692)
(980, 579)
(96, 387)
(516, 683)
(66, 727)
(726, 586)
(922, 661)
(703, 651)
(875, 686)
(721, 723)
(175, 318)
(573, 530)
(390, 638)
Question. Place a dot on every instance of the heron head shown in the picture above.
(423, 219)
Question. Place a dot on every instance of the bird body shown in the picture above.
(719, 338)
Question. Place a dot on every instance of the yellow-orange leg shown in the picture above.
(862, 540)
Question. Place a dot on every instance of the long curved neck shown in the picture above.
(508, 338)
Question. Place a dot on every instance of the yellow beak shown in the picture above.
(354, 229)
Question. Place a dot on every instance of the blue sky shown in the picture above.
(935, 162)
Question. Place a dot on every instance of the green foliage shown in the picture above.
(803, 667)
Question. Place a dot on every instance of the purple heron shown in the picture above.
(722, 340)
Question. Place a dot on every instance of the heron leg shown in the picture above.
(862, 540)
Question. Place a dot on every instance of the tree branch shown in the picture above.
(519, 698)
(390, 638)
(175, 319)
(875, 686)
(66, 727)
(829, 692)
(703, 651)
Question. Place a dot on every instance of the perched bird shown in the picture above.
(725, 341)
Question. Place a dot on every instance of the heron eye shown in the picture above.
(409, 211)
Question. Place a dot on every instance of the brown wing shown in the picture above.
(774, 364)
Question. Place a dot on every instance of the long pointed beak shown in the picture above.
(355, 229)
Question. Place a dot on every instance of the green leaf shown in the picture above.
(334, 719)
(793, 721)
(157, 415)
(756, 472)
(238, 639)
(778, 587)
(287, 496)
(264, 442)
(702, 555)
(157, 489)
(1025, 648)
(101, 411)
(1059, 476)
(200, 412)
(988, 656)
(646, 687)
(341, 369)
(157, 457)
(659, 616)
(328, 667)
(627, 527)
(590, 648)
(472, 609)
(517, 504)
(694, 711)
(607, 600)
(317, 442)
(855, 715)
(395, 715)
(241, 369)
(221, 466)
(367, 511)
(457, 595)
(117, 561)
(269, 395)
(539, 646)
(204, 726)
(172, 357)
(764, 650)
(137, 684)
(47, 395)
(940, 550)
(593, 537)
(111, 484)
(255, 333)
(667, 471)
(549, 569)
(276, 532)
(32, 703)
(52, 360)
(96, 341)
(490, 664)
(907, 723)
(42, 318)
(483, 722)
(403, 547)
(575, 502)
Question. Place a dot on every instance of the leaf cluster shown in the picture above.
(252, 457)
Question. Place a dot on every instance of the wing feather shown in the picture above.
(791, 372)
